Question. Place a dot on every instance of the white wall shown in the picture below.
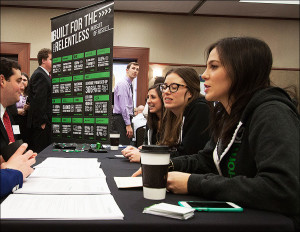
(171, 38)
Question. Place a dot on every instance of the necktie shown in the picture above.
(131, 88)
(8, 128)
(50, 76)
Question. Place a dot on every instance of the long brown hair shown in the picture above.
(248, 62)
(152, 118)
(27, 87)
(172, 124)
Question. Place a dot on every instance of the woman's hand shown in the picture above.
(126, 150)
(137, 173)
(132, 153)
(177, 182)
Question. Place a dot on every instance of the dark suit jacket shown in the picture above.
(10, 179)
(4, 141)
(39, 99)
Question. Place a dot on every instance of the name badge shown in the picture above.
(16, 129)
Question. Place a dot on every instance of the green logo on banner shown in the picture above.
(55, 80)
(56, 101)
(89, 120)
(68, 100)
(65, 79)
(56, 120)
(103, 51)
(90, 53)
(67, 58)
(78, 78)
(77, 120)
(66, 120)
(78, 56)
(97, 75)
(102, 121)
(78, 99)
(56, 60)
(101, 98)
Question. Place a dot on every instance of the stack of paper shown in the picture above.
(53, 207)
(54, 162)
(129, 182)
(63, 188)
(172, 211)
(66, 176)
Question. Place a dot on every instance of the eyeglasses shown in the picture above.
(173, 87)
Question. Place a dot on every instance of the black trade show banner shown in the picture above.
(82, 61)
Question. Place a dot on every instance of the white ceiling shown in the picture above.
(202, 7)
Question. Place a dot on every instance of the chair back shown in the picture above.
(140, 135)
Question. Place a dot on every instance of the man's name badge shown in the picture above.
(16, 129)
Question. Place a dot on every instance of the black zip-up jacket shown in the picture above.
(194, 130)
(260, 166)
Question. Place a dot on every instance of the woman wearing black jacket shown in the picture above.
(186, 118)
(252, 158)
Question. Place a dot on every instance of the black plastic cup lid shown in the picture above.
(155, 149)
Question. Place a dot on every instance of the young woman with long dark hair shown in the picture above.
(252, 158)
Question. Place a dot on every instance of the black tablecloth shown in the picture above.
(132, 203)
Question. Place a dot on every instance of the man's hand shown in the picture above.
(43, 126)
(129, 132)
(20, 161)
(26, 107)
(1, 160)
(177, 182)
(21, 112)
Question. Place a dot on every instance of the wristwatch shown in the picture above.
(171, 166)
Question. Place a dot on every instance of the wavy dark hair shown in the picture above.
(172, 124)
(27, 87)
(248, 62)
(152, 118)
(6, 67)
(43, 54)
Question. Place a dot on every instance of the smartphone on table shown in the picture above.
(211, 206)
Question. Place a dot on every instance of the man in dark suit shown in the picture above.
(11, 83)
(39, 96)
(17, 167)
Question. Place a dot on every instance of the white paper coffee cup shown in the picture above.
(155, 161)
(114, 141)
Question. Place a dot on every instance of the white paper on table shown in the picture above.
(75, 173)
(64, 186)
(169, 210)
(128, 182)
(60, 207)
(120, 156)
(69, 162)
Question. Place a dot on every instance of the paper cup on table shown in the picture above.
(155, 161)
(114, 141)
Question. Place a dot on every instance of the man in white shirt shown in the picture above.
(139, 120)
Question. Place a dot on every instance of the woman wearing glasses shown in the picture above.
(252, 158)
(186, 117)
(153, 126)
